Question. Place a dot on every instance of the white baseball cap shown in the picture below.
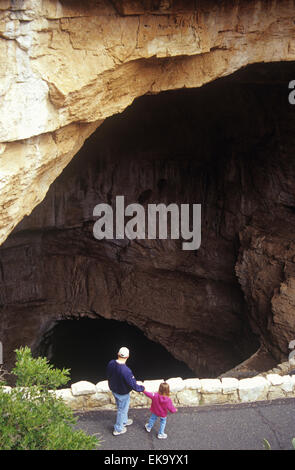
(123, 352)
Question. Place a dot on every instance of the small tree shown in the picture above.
(31, 416)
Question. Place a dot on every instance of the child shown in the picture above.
(161, 403)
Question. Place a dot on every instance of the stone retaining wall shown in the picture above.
(85, 396)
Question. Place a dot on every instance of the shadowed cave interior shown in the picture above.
(228, 146)
(69, 342)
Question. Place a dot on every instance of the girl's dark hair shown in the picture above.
(164, 389)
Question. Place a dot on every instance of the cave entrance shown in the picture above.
(228, 146)
(87, 345)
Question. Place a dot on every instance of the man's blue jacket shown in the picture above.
(121, 379)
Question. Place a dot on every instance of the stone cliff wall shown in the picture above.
(66, 66)
(69, 66)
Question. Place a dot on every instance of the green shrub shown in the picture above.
(31, 416)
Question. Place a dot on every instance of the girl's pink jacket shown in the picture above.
(160, 404)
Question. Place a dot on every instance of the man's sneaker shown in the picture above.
(129, 422)
(162, 436)
(147, 428)
(117, 433)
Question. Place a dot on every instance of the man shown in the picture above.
(121, 381)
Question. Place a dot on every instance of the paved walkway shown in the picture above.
(218, 427)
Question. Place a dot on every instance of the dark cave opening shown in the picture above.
(86, 346)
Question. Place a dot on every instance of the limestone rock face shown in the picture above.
(66, 64)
